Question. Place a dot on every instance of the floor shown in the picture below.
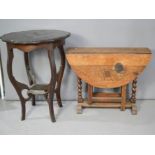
(92, 121)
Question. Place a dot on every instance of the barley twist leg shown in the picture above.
(80, 99)
(133, 97)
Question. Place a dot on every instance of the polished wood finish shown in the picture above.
(108, 68)
(100, 50)
(34, 37)
(29, 41)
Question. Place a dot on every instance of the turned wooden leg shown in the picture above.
(29, 74)
(123, 94)
(133, 97)
(90, 93)
(51, 89)
(80, 99)
(79, 86)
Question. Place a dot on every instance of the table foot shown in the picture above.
(23, 110)
(51, 110)
(33, 101)
(59, 99)
(134, 109)
(79, 109)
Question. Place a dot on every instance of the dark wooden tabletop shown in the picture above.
(34, 36)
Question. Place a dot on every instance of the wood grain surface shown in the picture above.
(108, 67)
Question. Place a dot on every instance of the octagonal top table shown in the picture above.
(35, 36)
(29, 41)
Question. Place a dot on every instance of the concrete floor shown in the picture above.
(92, 121)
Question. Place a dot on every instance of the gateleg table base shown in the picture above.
(107, 100)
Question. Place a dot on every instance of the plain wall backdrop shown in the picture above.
(85, 33)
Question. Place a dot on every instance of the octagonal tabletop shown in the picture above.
(34, 36)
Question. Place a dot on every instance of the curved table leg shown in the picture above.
(51, 87)
(17, 85)
(60, 75)
(29, 74)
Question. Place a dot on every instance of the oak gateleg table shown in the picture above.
(107, 68)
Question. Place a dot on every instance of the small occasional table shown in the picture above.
(28, 41)
(108, 68)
